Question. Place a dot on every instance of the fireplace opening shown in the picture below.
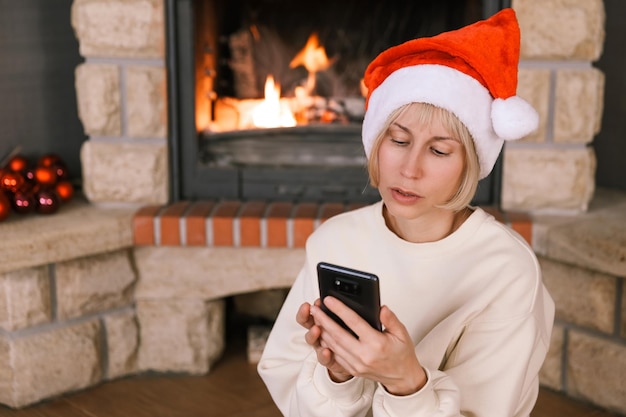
(266, 96)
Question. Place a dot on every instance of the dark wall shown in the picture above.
(38, 56)
(610, 144)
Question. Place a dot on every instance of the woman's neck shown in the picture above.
(427, 229)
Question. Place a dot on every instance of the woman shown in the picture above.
(466, 318)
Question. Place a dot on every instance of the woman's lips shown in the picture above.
(403, 196)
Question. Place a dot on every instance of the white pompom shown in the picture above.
(513, 118)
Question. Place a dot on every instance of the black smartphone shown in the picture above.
(357, 289)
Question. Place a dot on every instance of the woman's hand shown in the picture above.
(387, 357)
(324, 355)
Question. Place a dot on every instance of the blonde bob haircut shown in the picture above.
(425, 114)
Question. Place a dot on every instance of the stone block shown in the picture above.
(124, 172)
(596, 369)
(539, 179)
(213, 272)
(561, 29)
(119, 28)
(595, 241)
(582, 297)
(534, 86)
(180, 335)
(24, 298)
(146, 102)
(579, 102)
(49, 363)
(78, 229)
(94, 284)
(98, 99)
(122, 330)
(552, 369)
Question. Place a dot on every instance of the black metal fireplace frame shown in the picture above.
(192, 180)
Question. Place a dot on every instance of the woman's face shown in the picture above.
(420, 167)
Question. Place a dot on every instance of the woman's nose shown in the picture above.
(412, 166)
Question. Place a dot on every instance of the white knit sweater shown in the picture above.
(473, 303)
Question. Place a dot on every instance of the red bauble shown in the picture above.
(18, 163)
(11, 181)
(61, 171)
(47, 201)
(49, 160)
(46, 176)
(29, 174)
(5, 206)
(23, 203)
(65, 190)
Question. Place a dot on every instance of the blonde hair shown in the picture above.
(426, 114)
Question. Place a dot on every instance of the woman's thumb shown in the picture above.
(389, 320)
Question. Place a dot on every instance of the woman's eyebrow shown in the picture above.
(446, 138)
(407, 130)
(402, 127)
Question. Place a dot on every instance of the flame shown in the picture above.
(271, 112)
(313, 58)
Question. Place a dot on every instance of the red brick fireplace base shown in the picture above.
(254, 223)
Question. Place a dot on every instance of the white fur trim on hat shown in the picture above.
(457, 92)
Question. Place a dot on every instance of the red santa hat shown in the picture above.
(471, 72)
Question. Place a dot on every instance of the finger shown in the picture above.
(325, 357)
(391, 323)
(327, 324)
(303, 316)
(335, 338)
(312, 337)
(350, 317)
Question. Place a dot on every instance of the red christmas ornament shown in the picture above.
(23, 203)
(5, 206)
(11, 181)
(29, 174)
(46, 176)
(47, 201)
(49, 160)
(18, 163)
(61, 170)
(40, 187)
(65, 190)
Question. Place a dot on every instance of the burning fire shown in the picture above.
(313, 58)
(275, 112)
(272, 112)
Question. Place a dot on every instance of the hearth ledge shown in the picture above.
(595, 240)
(78, 229)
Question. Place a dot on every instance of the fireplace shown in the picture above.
(220, 57)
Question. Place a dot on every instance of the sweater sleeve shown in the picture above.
(298, 384)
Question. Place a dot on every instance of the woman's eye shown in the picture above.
(398, 141)
(438, 152)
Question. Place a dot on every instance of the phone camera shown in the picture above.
(347, 287)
